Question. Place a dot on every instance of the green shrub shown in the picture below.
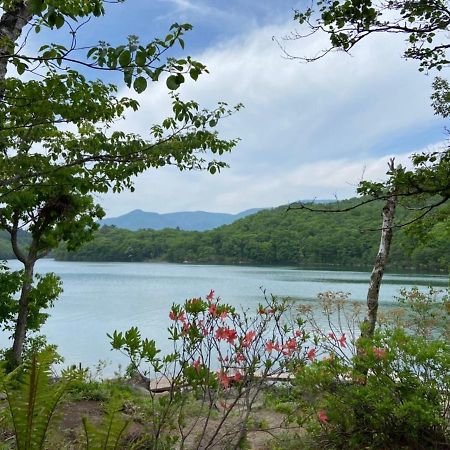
(392, 392)
(32, 397)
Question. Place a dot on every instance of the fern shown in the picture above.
(108, 434)
(33, 398)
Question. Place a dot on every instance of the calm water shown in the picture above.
(99, 298)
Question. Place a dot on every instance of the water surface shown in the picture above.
(99, 298)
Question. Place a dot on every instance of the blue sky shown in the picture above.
(307, 130)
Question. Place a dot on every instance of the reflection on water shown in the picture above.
(101, 297)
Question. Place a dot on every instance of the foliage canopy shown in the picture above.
(59, 138)
(425, 24)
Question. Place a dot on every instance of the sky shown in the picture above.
(307, 130)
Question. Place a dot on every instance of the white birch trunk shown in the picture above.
(12, 23)
(379, 267)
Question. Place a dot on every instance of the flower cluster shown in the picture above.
(342, 341)
(380, 353)
(243, 345)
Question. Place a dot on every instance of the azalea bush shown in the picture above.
(391, 392)
(221, 362)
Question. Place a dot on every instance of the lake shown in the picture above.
(99, 298)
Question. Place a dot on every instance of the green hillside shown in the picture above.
(5, 244)
(275, 237)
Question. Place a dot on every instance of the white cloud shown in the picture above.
(183, 4)
(167, 190)
(189, 6)
(307, 130)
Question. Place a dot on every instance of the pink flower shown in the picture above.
(342, 340)
(196, 365)
(221, 333)
(212, 309)
(291, 344)
(239, 357)
(237, 377)
(231, 336)
(226, 334)
(202, 327)
(223, 378)
(323, 416)
(210, 296)
(290, 347)
(223, 316)
(248, 339)
(332, 336)
(311, 355)
(298, 333)
(271, 346)
(177, 317)
(379, 353)
(186, 327)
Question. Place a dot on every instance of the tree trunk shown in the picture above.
(28, 261)
(12, 23)
(370, 320)
(21, 324)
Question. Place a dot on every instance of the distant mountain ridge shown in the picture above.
(184, 220)
(275, 236)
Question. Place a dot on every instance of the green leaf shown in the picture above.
(172, 83)
(140, 84)
(91, 51)
(141, 59)
(117, 340)
(194, 74)
(51, 19)
(125, 58)
(180, 78)
(127, 77)
(151, 50)
(98, 10)
(59, 20)
(36, 6)
(21, 67)
(112, 62)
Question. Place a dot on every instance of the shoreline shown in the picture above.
(307, 267)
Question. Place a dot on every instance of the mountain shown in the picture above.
(278, 236)
(186, 220)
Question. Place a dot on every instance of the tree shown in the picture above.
(425, 23)
(57, 147)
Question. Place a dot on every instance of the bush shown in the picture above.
(392, 392)
(221, 362)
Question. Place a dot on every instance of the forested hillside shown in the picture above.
(275, 237)
(5, 244)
